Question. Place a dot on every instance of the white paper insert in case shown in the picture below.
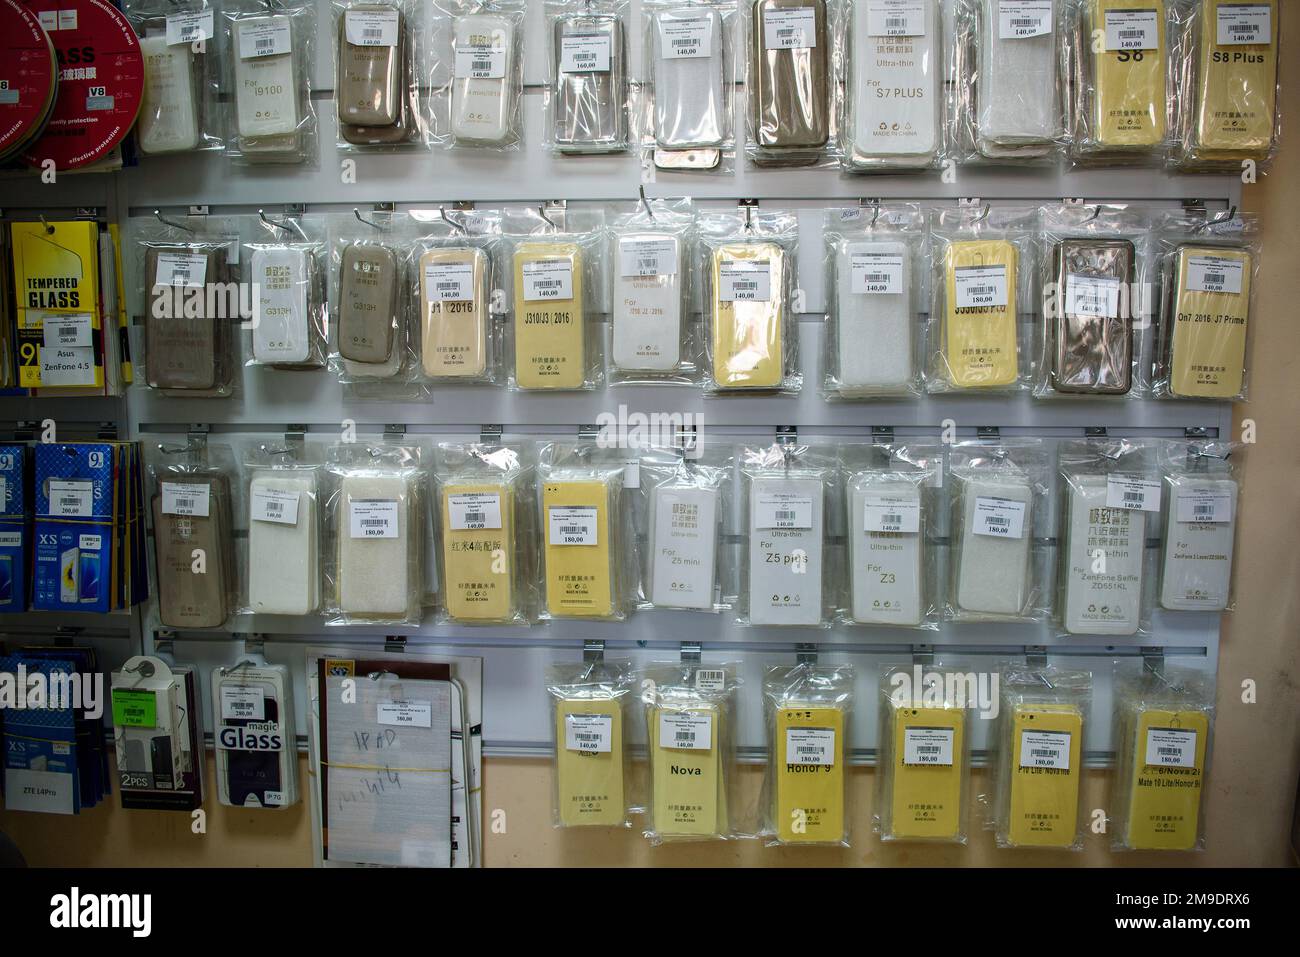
(1045, 749)
(744, 280)
(895, 18)
(928, 746)
(585, 53)
(183, 498)
(474, 510)
(548, 279)
(1171, 748)
(810, 746)
(1128, 30)
(981, 287)
(1214, 274)
(592, 733)
(449, 282)
(572, 525)
(999, 517)
(685, 730)
(373, 518)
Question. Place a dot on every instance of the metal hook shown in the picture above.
(282, 450)
(988, 207)
(167, 222)
(1096, 212)
(457, 227)
(646, 203)
(294, 228)
(237, 666)
(555, 226)
(356, 211)
(376, 675)
(49, 230)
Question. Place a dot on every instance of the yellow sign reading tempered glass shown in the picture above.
(747, 307)
(979, 329)
(1168, 772)
(579, 582)
(809, 774)
(550, 333)
(1210, 309)
(929, 760)
(1045, 753)
(1130, 102)
(589, 761)
(1237, 82)
(478, 550)
(686, 771)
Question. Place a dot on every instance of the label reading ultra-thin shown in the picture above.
(745, 280)
(932, 747)
(373, 518)
(980, 287)
(186, 498)
(572, 525)
(471, 511)
(999, 517)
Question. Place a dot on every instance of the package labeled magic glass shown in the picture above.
(788, 81)
(892, 510)
(288, 264)
(875, 270)
(1120, 105)
(690, 720)
(587, 79)
(285, 530)
(178, 40)
(157, 734)
(653, 333)
(1038, 740)
(999, 492)
(270, 50)
(1208, 265)
(1226, 69)
(254, 735)
(686, 509)
(1109, 490)
(1094, 273)
(923, 769)
(1163, 724)
(806, 710)
(982, 275)
(788, 494)
(890, 106)
(1200, 496)
(691, 71)
(484, 522)
(475, 73)
(378, 47)
(588, 543)
(1008, 79)
(751, 334)
(591, 706)
(376, 534)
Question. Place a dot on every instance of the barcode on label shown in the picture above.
(480, 65)
(981, 290)
(1206, 510)
(895, 23)
(372, 33)
(785, 516)
(928, 748)
(743, 284)
(785, 33)
(686, 736)
(1134, 497)
(572, 529)
(267, 44)
(586, 736)
(1024, 22)
(805, 749)
(891, 518)
(996, 520)
(1215, 277)
(374, 521)
(1169, 751)
(184, 502)
(69, 501)
(1042, 753)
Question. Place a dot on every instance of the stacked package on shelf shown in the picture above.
(157, 735)
(15, 527)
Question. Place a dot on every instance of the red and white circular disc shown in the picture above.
(27, 75)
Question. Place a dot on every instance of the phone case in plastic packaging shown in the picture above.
(287, 264)
(923, 769)
(1163, 731)
(379, 47)
(981, 314)
(178, 40)
(1209, 267)
(788, 81)
(587, 108)
(1226, 105)
(591, 708)
(286, 529)
(806, 709)
(890, 54)
(1200, 496)
(875, 273)
(1039, 743)
(998, 568)
(253, 735)
(475, 73)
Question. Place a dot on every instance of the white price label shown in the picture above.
(895, 18)
(1136, 494)
(270, 38)
(891, 513)
(685, 730)
(1092, 296)
(181, 269)
(1214, 274)
(67, 331)
(745, 280)
(790, 28)
(810, 746)
(71, 498)
(685, 38)
(406, 714)
(186, 498)
(373, 518)
(572, 525)
(371, 28)
(1045, 749)
(449, 282)
(1203, 505)
(783, 510)
(647, 257)
(242, 703)
(481, 61)
(189, 27)
(928, 746)
(471, 511)
(981, 287)
(548, 279)
(274, 505)
(710, 679)
(585, 53)
(590, 733)
(876, 273)
(1242, 23)
(1171, 747)
(1132, 30)
(999, 517)
(1021, 19)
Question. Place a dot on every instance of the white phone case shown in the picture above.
(1196, 560)
(993, 575)
(281, 333)
(785, 564)
(875, 327)
(374, 573)
(481, 106)
(266, 90)
(647, 310)
(885, 566)
(1104, 548)
(683, 546)
(689, 100)
(1016, 89)
(894, 85)
(169, 118)
(284, 558)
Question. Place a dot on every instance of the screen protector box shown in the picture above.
(75, 568)
(15, 527)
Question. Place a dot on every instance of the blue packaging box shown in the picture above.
(15, 528)
(75, 526)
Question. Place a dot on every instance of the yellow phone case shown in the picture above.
(809, 797)
(1236, 89)
(926, 799)
(579, 578)
(1207, 346)
(1044, 809)
(454, 331)
(689, 796)
(1129, 102)
(589, 783)
(979, 342)
(550, 334)
(748, 341)
(478, 561)
(1165, 801)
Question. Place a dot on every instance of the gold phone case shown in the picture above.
(579, 577)
(589, 784)
(186, 598)
(748, 336)
(1044, 806)
(1236, 91)
(1205, 332)
(1093, 352)
(926, 799)
(368, 303)
(1129, 100)
(979, 342)
(789, 101)
(809, 797)
(454, 319)
(182, 351)
(371, 91)
(550, 334)
(478, 561)
(1165, 801)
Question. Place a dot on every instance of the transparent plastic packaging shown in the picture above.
(999, 568)
(587, 103)
(589, 555)
(875, 275)
(1209, 269)
(1009, 81)
(789, 494)
(1200, 497)
(806, 710)
(1110, 496)
(270, 51)
(285, 490)
(1095, 276)
(178, 41)
(374, 567)
(475, 73)
(1121, 79)
(1039, 738)
(287, 262)
(1163, 734)
(591, 706)
(981, 315)
(893, 502)
(788, 81)
(1226, 114)
(686, 108)
(654, 337)
(890, 100)
(690, 717)
(752, 336)
(254, 739)
(923, 767)
(486, 532)
(379, 49)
